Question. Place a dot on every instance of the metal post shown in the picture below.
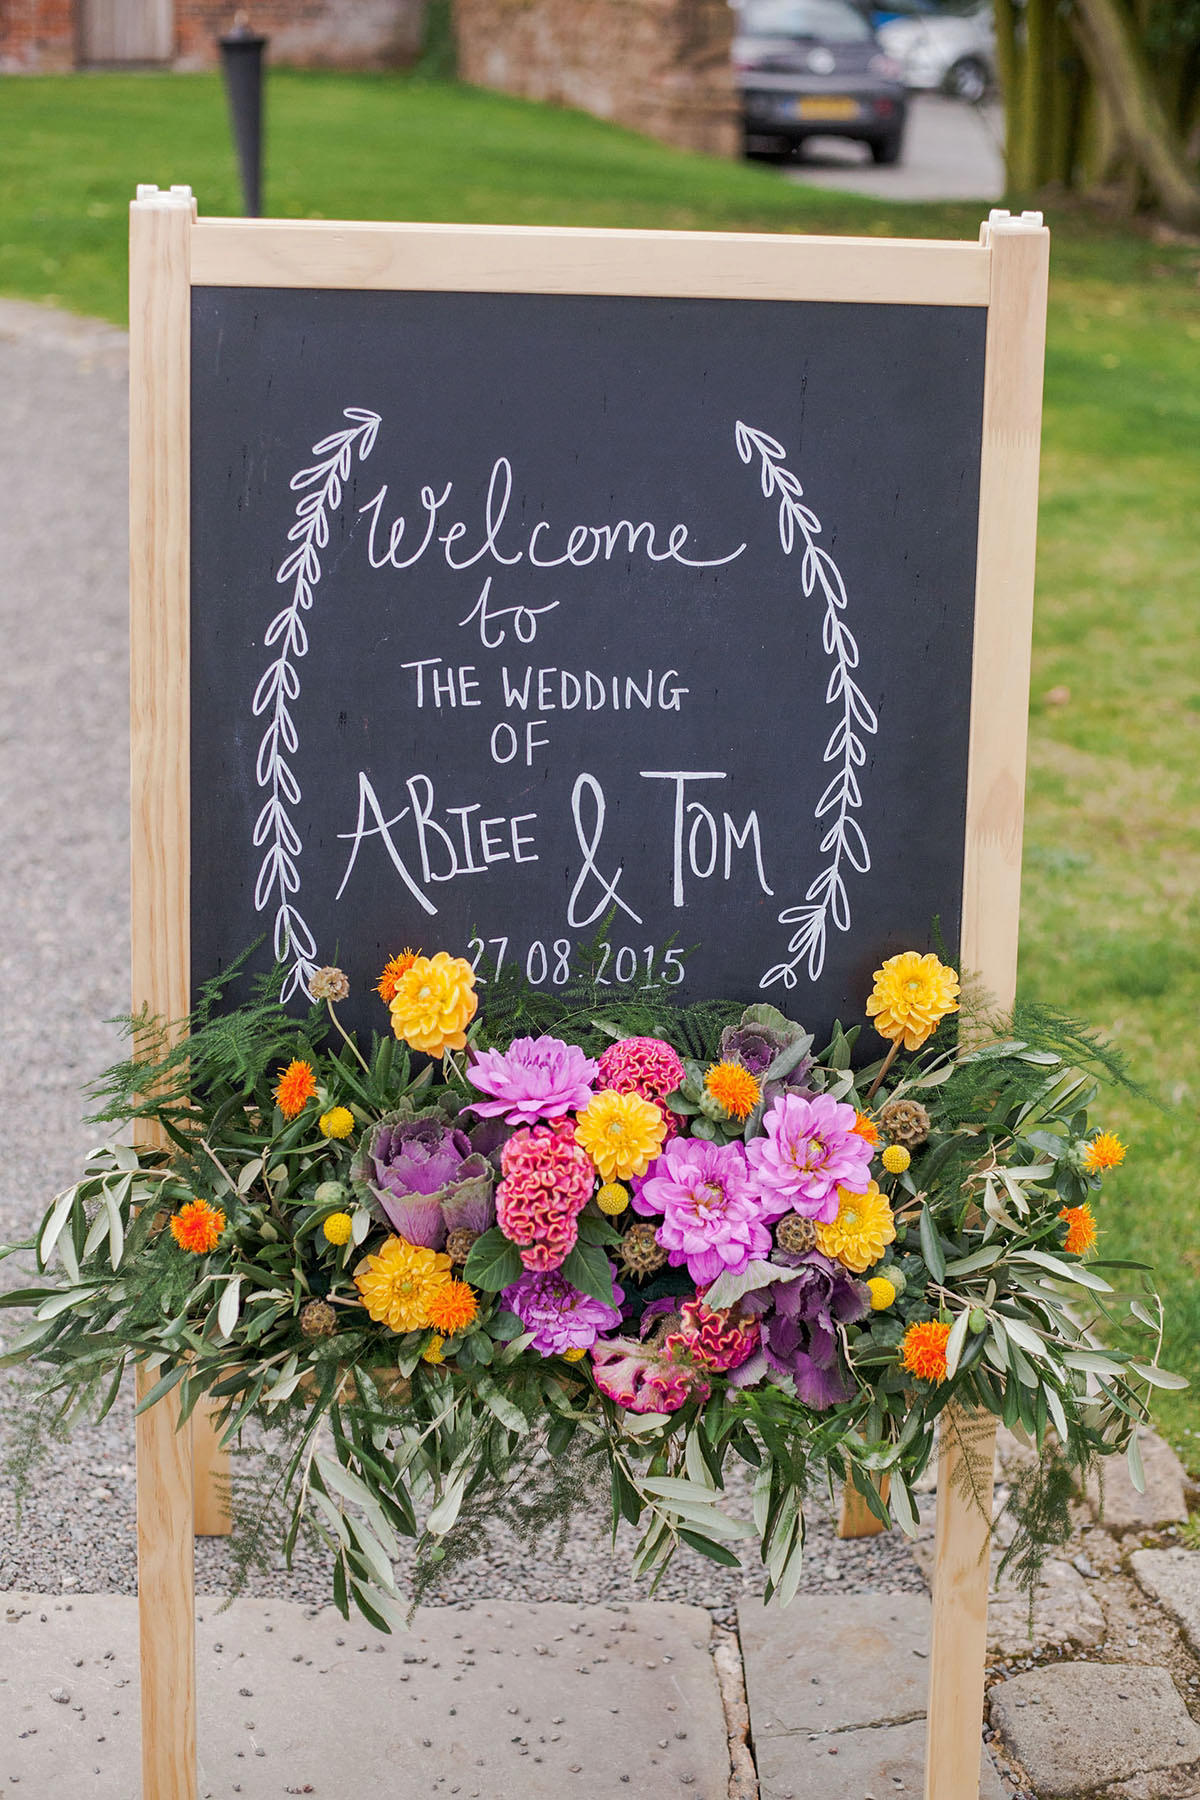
(242, 67)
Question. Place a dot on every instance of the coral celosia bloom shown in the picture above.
(535, 1078)
(434, 1002)
(1081, 1229)
(719, 1340)
(911, 997)
(641, 1065)
(809, 1149)
(453, 1308)
(641, 1379)
(548, 1180)
(296, 1086)
(622, 1133)
(338, 1122)
(733, 1088)
(393, 970)
(563, 1319)
(866, 1127)
(712, 1214)
(861, 1232)
(923, 1351)
(1106, 1151)
(399, 1282)
(197, 1226)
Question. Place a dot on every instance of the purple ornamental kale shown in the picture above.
(799, 1328)
(423, 1176)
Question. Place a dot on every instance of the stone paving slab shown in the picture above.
(1172, 1577)
(843, 1676)
(497, 1701)
(1116, 1502)
(1077, 1728)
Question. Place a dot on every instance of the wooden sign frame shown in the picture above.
(171, 250)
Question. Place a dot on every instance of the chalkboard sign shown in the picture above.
(513, 612)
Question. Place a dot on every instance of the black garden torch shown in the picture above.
(242, 67)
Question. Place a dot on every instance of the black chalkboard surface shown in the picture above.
(510, 610)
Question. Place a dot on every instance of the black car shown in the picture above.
(813, 68)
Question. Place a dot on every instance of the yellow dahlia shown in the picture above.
(453, 1308)
(882, 1291)
(733, 1088)
(434, 1002)
(861, 1232)
(197, 1227)
(1081, 1229)
(395, 967)
(338, 1228)
(923, 1351)
(399, 1283)
(911, 996)
(295, 1088)
(622, 1133)
(338, 1122)
(1106, 1151)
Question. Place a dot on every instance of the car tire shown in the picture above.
(967, 79)
(886, 151)
(765, 147)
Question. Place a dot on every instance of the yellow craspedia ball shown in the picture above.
(612, 1198)
(882, 1291)
(338, 1228)
(575, 1354)
(338, 1122)
(432, 1353)
(895, 1159)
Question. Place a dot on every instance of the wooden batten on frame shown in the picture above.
(171, 251)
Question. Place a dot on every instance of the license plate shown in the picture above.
(827, 106)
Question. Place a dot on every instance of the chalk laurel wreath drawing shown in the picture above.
(321, 486)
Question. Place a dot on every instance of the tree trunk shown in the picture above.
(1118, 68)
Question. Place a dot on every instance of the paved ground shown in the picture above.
(952, 151)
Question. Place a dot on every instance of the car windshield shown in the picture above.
(833, 21)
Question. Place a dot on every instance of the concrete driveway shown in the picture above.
(952, 151)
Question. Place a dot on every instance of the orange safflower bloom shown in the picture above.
(197, 1227)
(864, 1126)
(393, 970)
(1081, 1229)
(296, 1086)
(733, 1088)
(452, 1308)
(923, 1352)
(1106, 1151)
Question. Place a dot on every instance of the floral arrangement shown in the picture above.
(485, 1262)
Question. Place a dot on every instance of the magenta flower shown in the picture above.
(641, 1065)
(535, 1078)
(712, 1214)
(808, 1150)
(642, 1379)
(548, 1180)
(717, 1340)
(559, 1314)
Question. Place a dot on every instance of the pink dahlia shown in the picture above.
(640, 1377)
(559, 1314)
(535, 1078)
(712, 1214)
(640, 1065)
(719, 1340)
(808, 1150)
(548, 1181)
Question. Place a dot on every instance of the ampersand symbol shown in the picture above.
(589, 844)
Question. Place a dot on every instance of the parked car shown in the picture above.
(951, 50)
(814, 68)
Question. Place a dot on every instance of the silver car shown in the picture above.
(951, 51)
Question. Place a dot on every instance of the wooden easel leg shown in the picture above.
(961, 1575)
(857, 1520)
(211, 1475)
(166, 1611)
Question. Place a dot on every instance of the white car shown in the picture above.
(951, 51)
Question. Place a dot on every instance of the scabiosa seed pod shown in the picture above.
(317, 1320)
(905, 1121)
(795, 1234)
(640, 1251)
(329, 984)
(458, 1244)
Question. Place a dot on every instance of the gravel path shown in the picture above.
(64, 969)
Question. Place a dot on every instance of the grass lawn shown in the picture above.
(1111, 922)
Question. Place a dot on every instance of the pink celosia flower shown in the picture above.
(535, 1078)
(719, 1340)
(560, 1316)
(640, 1065)
(712, 1214)
(641, 1379)
(808, 1150)
(548, 1181)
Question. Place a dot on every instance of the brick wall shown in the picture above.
(41, 35)
(658, 66)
